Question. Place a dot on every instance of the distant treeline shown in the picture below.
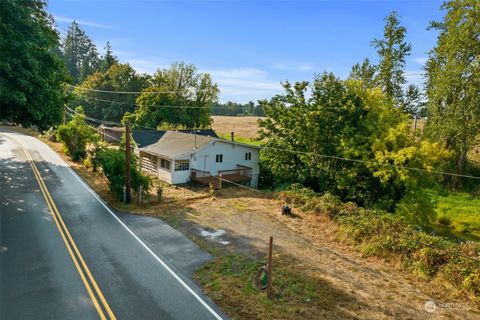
(237, 109)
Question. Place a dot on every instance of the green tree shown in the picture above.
(190, 93)
(413, 101)
(79, 53)
(31, 74)
(365, 72)
(307, 137)
(109, 59)
(109, 106)
(75, 135)
(113, 166)
(453, 80)
(392, 51)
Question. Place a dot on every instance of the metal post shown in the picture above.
(415, 123)
(220, 181)
(127, 163)
(269, 267)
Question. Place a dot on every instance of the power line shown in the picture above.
(127, 92)
(168, 106)
(96, 129)
(325, 156)
(153, 105)
(93, 119)
(370, 162)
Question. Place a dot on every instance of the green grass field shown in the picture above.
(240, 139)
(458, 211)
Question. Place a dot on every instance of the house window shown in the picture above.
(182, 165)
(219, 158)
(248, 156)
(164, 163)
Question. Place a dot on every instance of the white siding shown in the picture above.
(165, 175)
(179, 177)
(233, 154)
(205, 159)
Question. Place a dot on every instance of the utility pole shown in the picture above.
(127, 162)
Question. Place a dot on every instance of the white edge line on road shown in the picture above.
(186, 286)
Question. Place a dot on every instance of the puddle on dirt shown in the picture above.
(214, 235)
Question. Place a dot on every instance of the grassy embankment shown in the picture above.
(387, 236)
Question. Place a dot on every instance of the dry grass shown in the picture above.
(245, 127)
(316, 275)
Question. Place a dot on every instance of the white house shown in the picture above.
(180, 157)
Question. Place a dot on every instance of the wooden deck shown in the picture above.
(240, 175)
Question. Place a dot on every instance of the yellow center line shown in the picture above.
(59, 222)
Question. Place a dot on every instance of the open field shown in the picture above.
(245, 127)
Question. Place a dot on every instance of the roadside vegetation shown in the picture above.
(339, 150)
(389, 236)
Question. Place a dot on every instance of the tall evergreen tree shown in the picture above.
(413, 101)
(31, 73)
(392, 51)
(79, 53)
(365, 72)
(453, 79)
(109, 59)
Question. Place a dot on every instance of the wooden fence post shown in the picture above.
(269, 267)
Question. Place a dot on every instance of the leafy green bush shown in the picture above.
(113, 166)
(417, 207)
(390, 236)
(75, 135)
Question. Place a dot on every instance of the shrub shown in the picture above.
(113, 166)
(389, 236)
(75, 135)
(444, 220)
(417, 207)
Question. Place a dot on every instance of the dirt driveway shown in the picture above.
(242, 221)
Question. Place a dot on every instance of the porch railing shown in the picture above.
(197, 175)
(241, 171)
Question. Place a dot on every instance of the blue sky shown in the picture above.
(249, 47)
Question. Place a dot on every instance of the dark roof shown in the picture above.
(145, 138)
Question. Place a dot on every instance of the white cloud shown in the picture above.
(92, 24)
(149, 65)
(414, 77)
(420, 60)
(244, 84)
(301, 67)
(236, 84)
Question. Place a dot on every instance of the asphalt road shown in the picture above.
(65, 255)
